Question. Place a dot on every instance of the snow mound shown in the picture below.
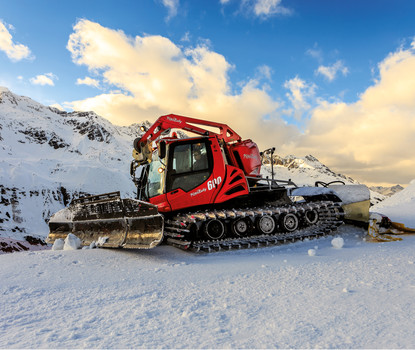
(72, 242)
(59, 244)
(312, 252)
(400, 207)
(337, 242)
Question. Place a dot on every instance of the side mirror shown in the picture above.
(162, 149)
(136, 145)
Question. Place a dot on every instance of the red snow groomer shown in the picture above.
(206, 192)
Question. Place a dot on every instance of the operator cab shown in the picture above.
(187, 164)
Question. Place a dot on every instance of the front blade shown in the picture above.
(355, 201)
(109, 221)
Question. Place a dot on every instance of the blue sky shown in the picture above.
(295, 74)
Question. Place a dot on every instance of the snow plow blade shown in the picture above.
(354, 199)
(109, 221)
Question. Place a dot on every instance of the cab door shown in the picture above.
(191, 173)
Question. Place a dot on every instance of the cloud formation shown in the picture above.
(330, 72)
(44, 79)
(299, 92)
(154, 76)
(14, 51)
(263, 9)
(371, 139)
(267, 8)
(172, 7)
(88, 81)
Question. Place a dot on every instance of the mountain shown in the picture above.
(48, 157)
(305, 171)
(387, 191)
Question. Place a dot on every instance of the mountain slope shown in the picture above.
(387, 191)
(48, 156)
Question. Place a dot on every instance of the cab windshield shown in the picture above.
(156, 176)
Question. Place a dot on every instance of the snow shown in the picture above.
(348, 194)
(58, 244)
(400, 207)
(72, 242)
(101, 241)
(337, 242)
(360, 296)
(63, 215)
(312, 252)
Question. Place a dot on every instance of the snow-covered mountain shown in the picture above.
(304, 171)
(387, 191)
(48, 157)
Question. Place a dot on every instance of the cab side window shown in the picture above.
(182, 161)
(189, 166)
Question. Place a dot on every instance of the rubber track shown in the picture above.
(330, 218)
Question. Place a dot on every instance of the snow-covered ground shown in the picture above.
(313, 294)
(359, 296)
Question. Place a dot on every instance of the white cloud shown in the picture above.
(58, 106)
(316, 53)
(186, 37)
(157, 77)
(371, 139)
(330, 72)
(267, 8)
(88, 81)
(14, 51)
(265, 71)
(263, 9)
(172, 7)
(299, 92)
(44, 79)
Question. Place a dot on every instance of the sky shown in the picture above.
(331, 78)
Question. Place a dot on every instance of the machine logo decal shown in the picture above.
(174, 120)
(197, 192)
(210, 186)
